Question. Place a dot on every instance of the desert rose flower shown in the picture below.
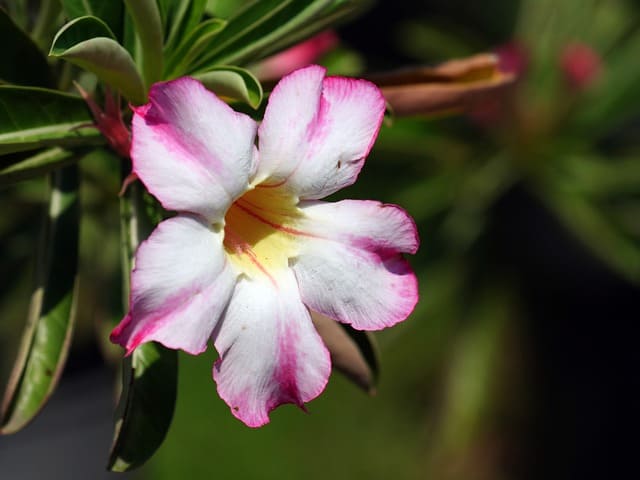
(252, 249)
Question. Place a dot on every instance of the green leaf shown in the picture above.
(249, 34)
(47, 335)
(179, 18)
(146, 406)
(37, 165)
(337, 13)
(192, 46)
(89, 43)
(148, 26)
(32, 118)
(22, 61)
(130, 40)
(234, 83)
(224, 8)
(150, 374)
(265, 27)
(110, 11)
(78, 31)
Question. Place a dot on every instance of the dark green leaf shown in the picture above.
(265, 27)
(253, 16)
(37, 165)
(130, 40)
(78, 31)
(332, 16)
(32, 118)
(257, 25)
(22, 62)
(224, 8)
(234, 83)
(50, 322)
(110, 11)
(88, 43)
(179, 18)
(146, 406)
(192, 46)
(150, 374)
(148, 26)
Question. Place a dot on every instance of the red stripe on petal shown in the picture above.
(276, 226)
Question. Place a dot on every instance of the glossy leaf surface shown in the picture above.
(334, 14)
(32, 118)
(179, 18)
(192, 46)
(47, 335)
(89, 43)
(233, 83)
(148, 25)
(36, 165)
(250, 33)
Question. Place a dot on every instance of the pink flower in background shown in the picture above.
(513, 57)
(580, 64)
(298, 56)
(252, 248)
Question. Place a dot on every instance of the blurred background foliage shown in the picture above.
(519, 361)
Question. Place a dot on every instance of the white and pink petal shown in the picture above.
(290, 113)
(350, 266)
(270, 352)
(317, 132)
(364, 224)
(181, 283)
(368, 290)
(191, 150)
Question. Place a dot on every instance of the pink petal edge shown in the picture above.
(270, 353)
(191, 150)
(177, 294)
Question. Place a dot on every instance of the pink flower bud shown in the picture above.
(298, 56)
(513, 58)
(580, 65)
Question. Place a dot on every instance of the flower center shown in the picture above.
(259, 237)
